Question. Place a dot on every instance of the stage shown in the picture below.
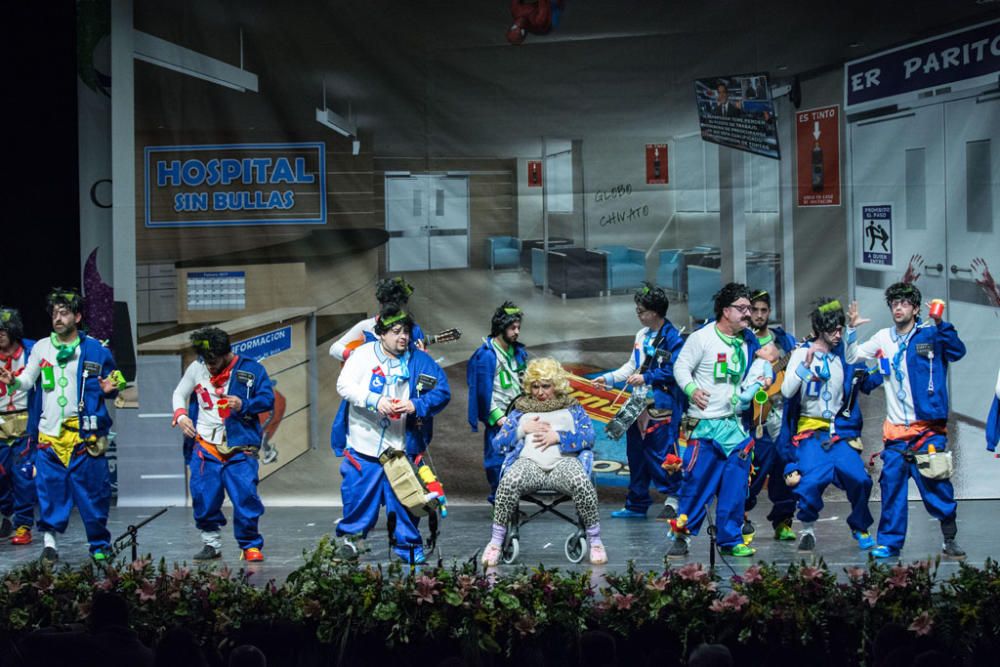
(290, 531)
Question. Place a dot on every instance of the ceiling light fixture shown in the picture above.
(339, 124)
(168, 55)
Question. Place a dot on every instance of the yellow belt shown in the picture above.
(813, 424)
(66, 442)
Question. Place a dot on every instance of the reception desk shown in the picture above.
(151, 469)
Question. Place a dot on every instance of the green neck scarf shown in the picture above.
(64, 351)
(736, 369)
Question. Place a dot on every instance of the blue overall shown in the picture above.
(17, 462)
(364, 486)
(709, 472)
(479, 375)
(236, 475)
(822, 460)
(769, 465)
(927, 383)
(86, 483)
(17, 487)
(645, 455)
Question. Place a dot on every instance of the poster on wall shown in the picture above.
(534, 173)
(235, 184)
(817, 136)
(876, 235)
(656, 164)
(737, 111)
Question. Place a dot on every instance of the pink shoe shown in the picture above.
(598, 556)
(491, 555)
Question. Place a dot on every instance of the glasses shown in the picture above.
(742, 309)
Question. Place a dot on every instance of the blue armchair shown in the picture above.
(626, 267)
(668, 273)
(703, 282)
(503, 252)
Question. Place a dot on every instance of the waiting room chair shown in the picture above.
(626, 267)
(503, 252)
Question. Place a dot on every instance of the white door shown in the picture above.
(448, 224)
(427, 218)
(972, 157)
(898, 162)
(406, 222)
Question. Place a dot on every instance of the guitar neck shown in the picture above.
(781, 363)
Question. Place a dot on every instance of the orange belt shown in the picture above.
(892, 431)
(211, 449)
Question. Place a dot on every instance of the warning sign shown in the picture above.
(876, 234)
(656, 164)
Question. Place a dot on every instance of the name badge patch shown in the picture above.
(245, 377)
(91, 368)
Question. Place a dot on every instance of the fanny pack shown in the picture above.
(13, 425)
(404, 482)
(938, 465)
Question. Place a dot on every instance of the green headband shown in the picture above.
(5, 315)
(512, 311)
(201, 343)
(644, 290)
(831, 306)
(407, 288)
(401, 315)
(759, 295)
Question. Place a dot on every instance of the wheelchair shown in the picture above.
(547, 501)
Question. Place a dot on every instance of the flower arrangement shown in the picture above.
(338, 603)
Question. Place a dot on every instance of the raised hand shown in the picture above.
(913, 269)
(854, 319)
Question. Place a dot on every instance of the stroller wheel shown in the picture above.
(511, 548)
(576, 547)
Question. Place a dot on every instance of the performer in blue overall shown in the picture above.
(913, 357)
(216, 404)
(387, 290)
(76, 374)
(768, 466)
(710, 368)
(393, 393)
(821, 433)
(494, 375)
(993, 421)
(19, 410)
(652, 436)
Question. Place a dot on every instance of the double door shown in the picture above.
(427, 217)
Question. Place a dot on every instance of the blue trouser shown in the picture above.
(211, 479)
(644, 459)
(492, 460)
(937, 494)
(85, 483)
(17, 486)
(364, 489)
(709, 472)
(823, 462)
(770, 469)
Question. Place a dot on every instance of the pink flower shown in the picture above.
(752, 575)
(900, 577)
(623, 602)
(13, 586)
(856, 573)
(658, 584)
(810, 573)
(426, 589)
(871, 596)
(692, 572)
(139, 565)
(732, 602)
(146, 591)
(180, 574)
(922, 624)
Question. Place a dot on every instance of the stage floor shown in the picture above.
(289, 531)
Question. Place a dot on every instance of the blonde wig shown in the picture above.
(546, 368)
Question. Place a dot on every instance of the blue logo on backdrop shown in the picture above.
(230, 184)
(265, 345)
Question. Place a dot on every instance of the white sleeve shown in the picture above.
(354, 379)
(998, 385)
(355, 333)
(792, 382)
(182, 392)
(624, 371)
(687, 360)
(32, 368)
(856, 352)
